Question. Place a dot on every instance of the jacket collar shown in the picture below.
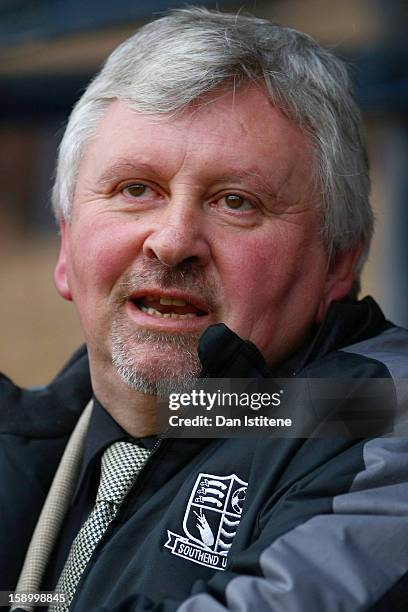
(224, 355)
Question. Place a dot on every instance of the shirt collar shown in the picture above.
(103, 431)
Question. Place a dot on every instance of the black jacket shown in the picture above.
(309, 525)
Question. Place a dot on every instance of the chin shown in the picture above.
(155, 363)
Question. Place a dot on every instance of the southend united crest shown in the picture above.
(211, 520)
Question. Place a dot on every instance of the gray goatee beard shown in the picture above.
(154, 362)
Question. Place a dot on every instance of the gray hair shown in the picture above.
(182, 56)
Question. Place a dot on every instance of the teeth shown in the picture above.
(151, 311)
(154, 312)
(166, 315)
(166, 301)
(171, 302)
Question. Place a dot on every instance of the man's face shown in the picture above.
(182, 222)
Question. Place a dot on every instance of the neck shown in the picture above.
(133, 410)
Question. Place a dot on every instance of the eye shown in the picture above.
(137, 190)
(233, 201)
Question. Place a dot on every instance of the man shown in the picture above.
(212, 173)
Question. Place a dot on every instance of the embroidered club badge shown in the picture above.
(210, 521)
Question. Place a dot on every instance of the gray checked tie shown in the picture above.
(121, 463)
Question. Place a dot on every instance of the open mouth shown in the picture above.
(168, 307)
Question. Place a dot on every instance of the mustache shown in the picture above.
(186, 276)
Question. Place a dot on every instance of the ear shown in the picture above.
(339, 279)
(60, 272)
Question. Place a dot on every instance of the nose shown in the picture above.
(178, 235)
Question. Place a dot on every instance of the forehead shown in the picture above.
(228, 134)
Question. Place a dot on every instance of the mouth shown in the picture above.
(169, 306)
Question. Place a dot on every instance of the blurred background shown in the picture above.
(49, 49)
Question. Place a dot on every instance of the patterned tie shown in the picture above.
(121, 463)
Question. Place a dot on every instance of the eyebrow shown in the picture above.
(119, 168)
(263, 184)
